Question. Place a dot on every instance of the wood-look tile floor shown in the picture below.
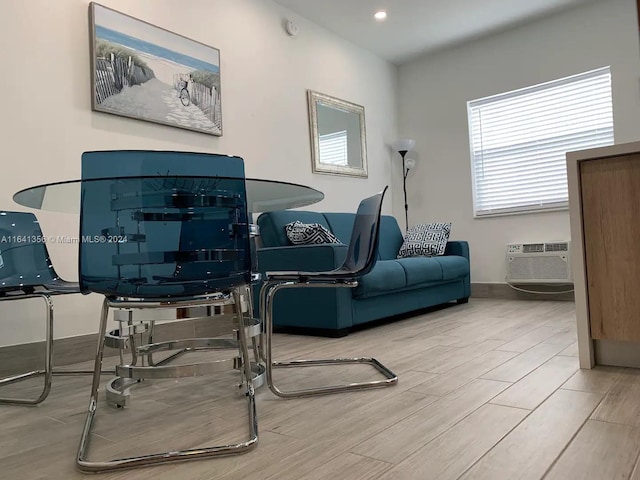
(487, 390)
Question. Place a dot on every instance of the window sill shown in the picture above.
(520, 212)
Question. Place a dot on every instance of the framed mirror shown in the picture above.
(338, 139)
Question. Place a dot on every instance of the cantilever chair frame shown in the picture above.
(248, 373)
(342, 277)
(48, 372)
(45, 291)
(48, 356)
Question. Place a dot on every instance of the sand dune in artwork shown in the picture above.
(158, 100)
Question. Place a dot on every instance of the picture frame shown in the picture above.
(142, 71)
(338, 136)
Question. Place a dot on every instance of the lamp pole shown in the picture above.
(402, 146)
(405, 172)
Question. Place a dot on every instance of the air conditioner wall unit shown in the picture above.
(539, 263)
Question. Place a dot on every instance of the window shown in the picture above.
(333, 148)
(519, 140)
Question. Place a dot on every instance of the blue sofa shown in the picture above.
(393, 287)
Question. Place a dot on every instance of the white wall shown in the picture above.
(433, 92)
(46, 121)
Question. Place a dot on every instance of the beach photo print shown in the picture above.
(146, 72)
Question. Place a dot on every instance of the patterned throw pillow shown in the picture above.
(300, 233)
(425, 240)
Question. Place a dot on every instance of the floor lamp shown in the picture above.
(402, 146)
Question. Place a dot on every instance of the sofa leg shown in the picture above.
(339, 333)
(463, 300)
(319, 332)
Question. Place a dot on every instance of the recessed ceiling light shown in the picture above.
(380, 15)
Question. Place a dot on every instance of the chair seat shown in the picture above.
(63, 286)
(337, 275)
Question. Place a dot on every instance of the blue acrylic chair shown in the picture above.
(158, 230)
(361, 258)
(26, 271)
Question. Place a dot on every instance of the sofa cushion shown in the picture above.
(428, 239)
(300, 233)
(453, 266)
(387, 275)
(421, 270)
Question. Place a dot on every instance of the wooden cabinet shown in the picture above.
(610, 200)
(604, 207)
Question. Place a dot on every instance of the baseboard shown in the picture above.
(25, 357)
(505, 292)
(617, 353)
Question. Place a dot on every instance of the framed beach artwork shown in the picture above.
(145, 72)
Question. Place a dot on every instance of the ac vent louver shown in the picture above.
(532, 247)
(556, 247)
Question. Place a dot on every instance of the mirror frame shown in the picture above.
(313, 98)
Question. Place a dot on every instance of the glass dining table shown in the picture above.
(262, 196)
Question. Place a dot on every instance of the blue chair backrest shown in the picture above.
(159, 225)
(365, 237)
(24, 259)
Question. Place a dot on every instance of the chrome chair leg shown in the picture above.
(81, 461)
(256, 342)
(267, 294)
(248, 376)
(48, 360)
(49, 371)
(248, 373)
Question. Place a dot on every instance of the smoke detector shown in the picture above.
(291, 28)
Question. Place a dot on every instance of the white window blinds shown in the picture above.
(519, 140)
(333, 148)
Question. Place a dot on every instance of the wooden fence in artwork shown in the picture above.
(204, 97)
(115, 73)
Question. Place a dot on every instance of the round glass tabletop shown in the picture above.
(262, 196)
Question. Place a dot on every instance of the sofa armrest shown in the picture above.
(457, 247)
(308, 258)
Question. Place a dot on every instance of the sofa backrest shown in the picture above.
(272, 233)
(390, 238)
(341, 225)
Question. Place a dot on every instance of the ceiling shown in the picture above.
(415, 27)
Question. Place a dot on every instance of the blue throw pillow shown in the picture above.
(300, 233)
(427, 240)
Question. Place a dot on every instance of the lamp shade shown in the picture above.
(404, 144)
(409, 163)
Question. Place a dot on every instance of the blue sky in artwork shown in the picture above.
(138, 35)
